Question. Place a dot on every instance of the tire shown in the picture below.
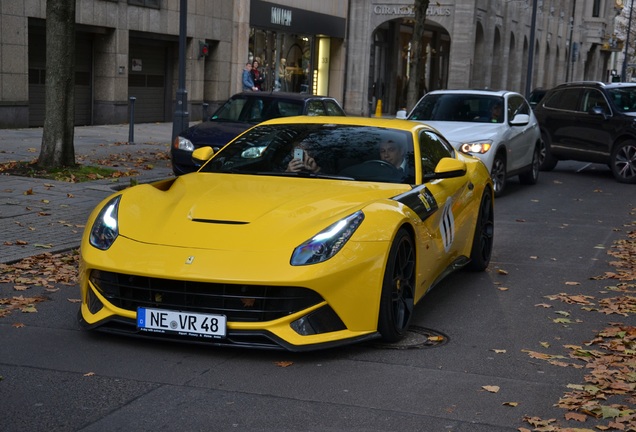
(481, 250)
(623, 162)
(531, 176)
(398, 289)
(547, 162)
(498, 174)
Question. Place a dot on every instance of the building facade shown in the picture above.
(127, 52)
(355, 50)
(474, 44)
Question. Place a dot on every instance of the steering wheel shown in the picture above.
(381, 163)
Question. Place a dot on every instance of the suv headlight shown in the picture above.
(476, 147)
(327, 242)
(105, 229)
(181, 143)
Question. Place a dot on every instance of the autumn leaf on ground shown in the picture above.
(283, 363)
(573, 283)
(499, 351)
(74, 300)
(491, 389)
(510, 404)
(17, 325)
(89, 374)
(502, 272)
(575, 416)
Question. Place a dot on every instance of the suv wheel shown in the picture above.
(623, 162)
(531, 176)
(498, 174)
(547, 162)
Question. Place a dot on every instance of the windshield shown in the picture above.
(256, 109)
(624, 98)
(460, 108)
(320, 150)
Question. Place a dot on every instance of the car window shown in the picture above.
(624, 98)
(315, 108)
(230, 110)
(345, 151)
(593, 98)
(432, 149)
(517, 105)
(564, 99)
(333, 108)
(289, 108)
(457, 107)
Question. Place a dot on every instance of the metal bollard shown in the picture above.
(131, 123)
(205, 111)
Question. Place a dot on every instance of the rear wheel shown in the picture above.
(398, 289)
(623, 162)
(547, 162)
(498, 173)
(484, 235)
(531, 176)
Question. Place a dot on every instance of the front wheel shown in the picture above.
(484, 235)
(398, 289)
(623, 162)
(498, 174)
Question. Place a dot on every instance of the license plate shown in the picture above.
(181, 323)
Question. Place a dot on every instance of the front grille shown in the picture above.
(240, 303)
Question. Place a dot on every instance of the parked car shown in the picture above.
(496, 126)
(591, 122)
(241, 112)
(299, 234)
(536, 95)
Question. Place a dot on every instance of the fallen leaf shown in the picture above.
(511, 404)
(499, 351)
(491, 389)
(283, 363)
(502, 272)
(18, 325)
(74, 300)
(89, 374)
(575, 416)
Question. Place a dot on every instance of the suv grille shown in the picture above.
(240, 303)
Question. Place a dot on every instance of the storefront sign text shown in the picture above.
(281, 16)
(410, 10)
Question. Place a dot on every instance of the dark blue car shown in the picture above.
(239, 113)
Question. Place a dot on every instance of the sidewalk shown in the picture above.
(38, 216)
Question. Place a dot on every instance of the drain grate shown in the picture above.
(417, 338)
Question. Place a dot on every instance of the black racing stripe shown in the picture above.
(420, 200)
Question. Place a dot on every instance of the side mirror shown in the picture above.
(202, 155)
(520, 120)
(447, 168)
(599, 110)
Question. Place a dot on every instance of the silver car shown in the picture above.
(498, 127)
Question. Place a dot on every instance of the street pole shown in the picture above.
(180, 119)
(533, 27)
(629, 29)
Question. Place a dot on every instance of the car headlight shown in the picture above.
(327, 242)
(105, 229)
(476, 147)
(181, 143)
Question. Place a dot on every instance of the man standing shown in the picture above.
(248, 82)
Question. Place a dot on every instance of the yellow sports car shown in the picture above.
(301, 233)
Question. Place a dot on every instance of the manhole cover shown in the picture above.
(416, 338)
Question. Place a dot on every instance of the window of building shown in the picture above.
(156, 4)
(596, 8)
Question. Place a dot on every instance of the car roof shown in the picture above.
(595, 84)
(388, 123)
(281, 95)
(487, 92)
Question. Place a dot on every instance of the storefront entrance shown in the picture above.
(390, 62)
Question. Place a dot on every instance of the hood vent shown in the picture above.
(220, 222)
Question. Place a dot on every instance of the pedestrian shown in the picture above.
(257, 76)
(248, 82)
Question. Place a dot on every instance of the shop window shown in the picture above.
(155, 4)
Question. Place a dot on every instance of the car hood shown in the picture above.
(460, 132)
(243, 212)
(214, 133)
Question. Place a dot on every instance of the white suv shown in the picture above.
(499, 127)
